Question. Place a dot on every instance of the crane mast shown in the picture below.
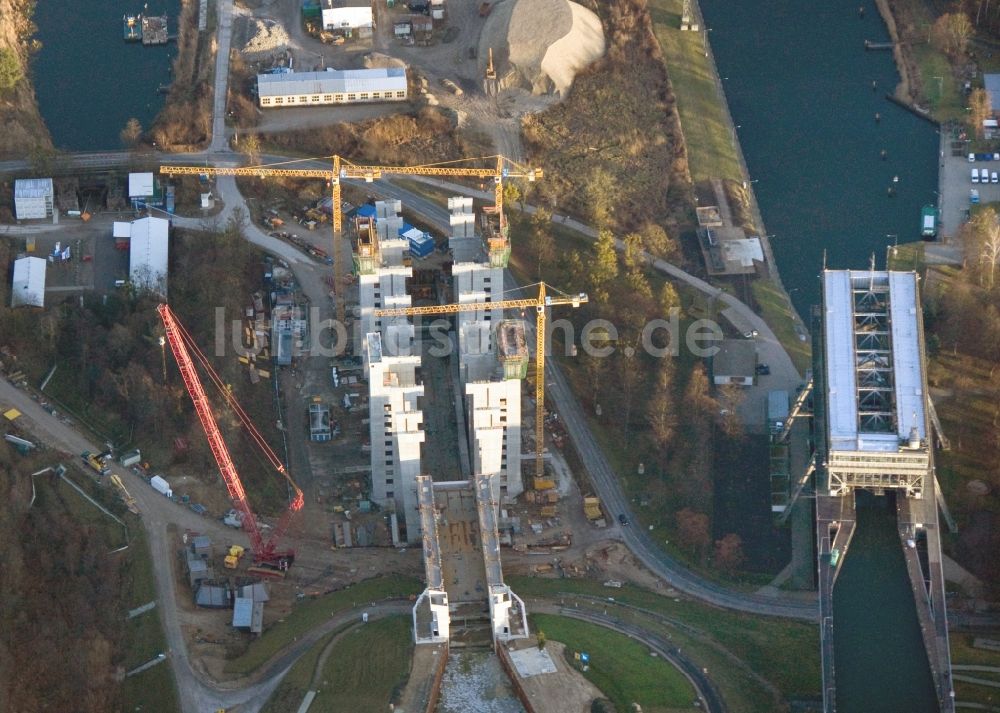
(264, 552)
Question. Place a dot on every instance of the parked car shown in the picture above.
(994, 177)
(753, 333)
(975, 175)
(763, 369)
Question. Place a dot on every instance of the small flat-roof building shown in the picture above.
(338, 86)
(148, 254)
(140, 185)
(735, 362)
(28, 287)
(248, 614)
(349, 15)
(212, 596)
(33, 198)
(991, 82)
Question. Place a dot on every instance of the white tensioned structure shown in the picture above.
(347, 86)
(876, 415)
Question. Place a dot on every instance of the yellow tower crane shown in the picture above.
(502, 169)
(539, 303)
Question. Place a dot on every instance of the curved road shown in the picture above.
(602, 475)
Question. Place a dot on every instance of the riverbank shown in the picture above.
(22, 131)
(714, 151)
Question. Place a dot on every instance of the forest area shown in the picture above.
(110, 366)
(658, 410)
(58, 651)
(613, 151)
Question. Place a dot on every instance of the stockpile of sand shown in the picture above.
(540, 45)
(265, 38)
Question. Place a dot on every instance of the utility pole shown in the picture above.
(163, 356)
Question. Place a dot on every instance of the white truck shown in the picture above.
(161, 486)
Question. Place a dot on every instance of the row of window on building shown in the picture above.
(331, 98)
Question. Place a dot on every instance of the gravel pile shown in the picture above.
(542, 57)
(265, 38)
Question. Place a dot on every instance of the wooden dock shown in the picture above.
(869, 45)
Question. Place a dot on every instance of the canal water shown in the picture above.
(880, 661)
(88, 80)
(799, 85)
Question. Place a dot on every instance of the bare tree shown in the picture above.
(989, 255)
(951, 32)
(250, 147)
(131, 134)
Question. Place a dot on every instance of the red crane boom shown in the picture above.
(263, 552)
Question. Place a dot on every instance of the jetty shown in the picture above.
(154, 30)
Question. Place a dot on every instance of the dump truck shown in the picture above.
(592, 508)
(544, 484)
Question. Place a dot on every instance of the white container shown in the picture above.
(161, 486)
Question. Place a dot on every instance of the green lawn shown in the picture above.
(777, 311)
(908, 256)
(367, 666)
(783, 652)
(710, 145)
(314, 612)
(621, 667)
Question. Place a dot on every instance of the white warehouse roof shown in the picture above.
(842, 360)
(140, 185)
(28, 287)
(33, 188)
(148, 253)
(339, 81)
(348, 17)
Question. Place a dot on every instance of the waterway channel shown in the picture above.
(879, 654)
(799, 85)
(88, 80)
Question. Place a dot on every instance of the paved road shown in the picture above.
(224, 35)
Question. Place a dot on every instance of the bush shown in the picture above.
(11, 71)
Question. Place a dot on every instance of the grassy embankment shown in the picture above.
(712, 150)
(620, 667)
(312, 613)
(365, 669)
(154, 688)
(782, 653)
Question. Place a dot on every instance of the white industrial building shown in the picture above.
(395, 418)
(33, 198)
(492, 355)
(148, 255)
(396, 431)
(334, 86)
(28, 286)
(873, 375)
(349, 15)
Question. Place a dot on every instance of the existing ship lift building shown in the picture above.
(876, 420)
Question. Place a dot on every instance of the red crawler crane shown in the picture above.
(264, 553)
